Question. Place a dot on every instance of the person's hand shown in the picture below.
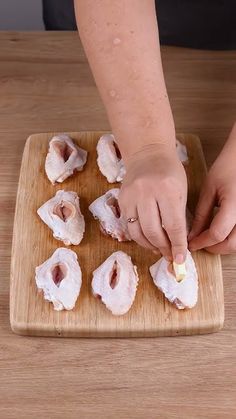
(155, 192)
(217, 235)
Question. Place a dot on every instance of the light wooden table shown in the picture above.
(46, 85)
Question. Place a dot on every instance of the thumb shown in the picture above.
(203, 211)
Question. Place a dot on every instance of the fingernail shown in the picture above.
(191, 235)
(191, 245)
(179, 258)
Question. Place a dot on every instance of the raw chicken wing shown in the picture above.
(115, 282)
(109, 159)
(106, 210)
(178, 283)
(181, 151)
(60, 279)
(62, 214)
(63, 158)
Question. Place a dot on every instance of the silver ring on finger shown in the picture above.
(132, 219)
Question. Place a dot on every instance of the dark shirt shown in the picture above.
(206, 24)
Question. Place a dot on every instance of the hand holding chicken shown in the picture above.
(154, 192)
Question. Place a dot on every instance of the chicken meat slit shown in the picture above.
(117, 150)
(63, 210)
(58, 273)
(63, 149)
(114, 276)
(112, 202)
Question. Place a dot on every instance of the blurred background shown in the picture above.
(28, 15)
(188, 23)
(21, 15)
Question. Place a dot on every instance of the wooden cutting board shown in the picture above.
(151, 314)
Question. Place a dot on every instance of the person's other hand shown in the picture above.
(155, 191)
(217, 235)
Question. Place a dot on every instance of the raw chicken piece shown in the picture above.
(182, 292)
(181, 151)
(60, 279)
(63, 158)
(62, 214)
(109, 159)
(106, 210)
(115, 282)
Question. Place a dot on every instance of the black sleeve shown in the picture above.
(59, 15)
(204, 24)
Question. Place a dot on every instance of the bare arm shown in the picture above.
(121, 41)
(122, 45)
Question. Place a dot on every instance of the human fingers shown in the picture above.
(174, 221)
(137, 235)
(130, 211)
(203, 211)
(226, 247)
(127, 203)
(220, 228)
(150, 222)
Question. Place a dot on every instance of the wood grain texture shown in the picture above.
(189, 377)
(33, 243)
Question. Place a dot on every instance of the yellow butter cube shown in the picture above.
(180, 271)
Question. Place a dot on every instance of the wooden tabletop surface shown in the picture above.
(46, 85)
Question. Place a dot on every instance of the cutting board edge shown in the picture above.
(25, 328)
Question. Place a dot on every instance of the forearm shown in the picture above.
(122, 45)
